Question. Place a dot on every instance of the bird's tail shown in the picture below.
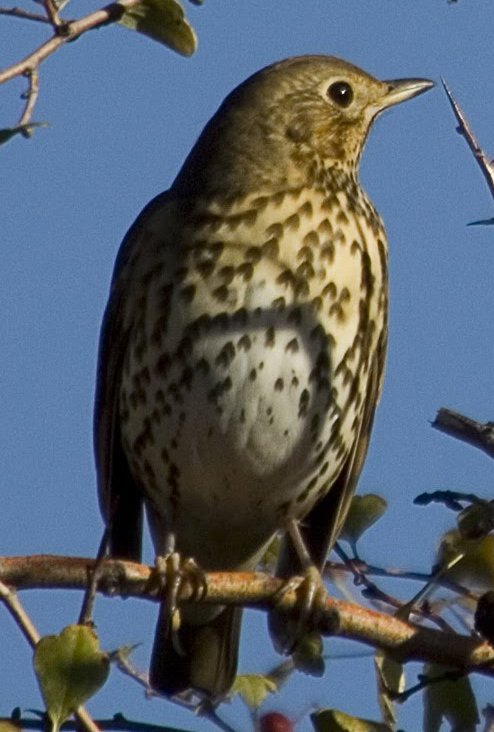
(208, 662)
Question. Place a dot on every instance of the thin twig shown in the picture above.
(121, 659)
(464, 129)
(116, 724)
(376, 595)
(24, 15)
(31, 96)
(52, 14)
(109, 14)
(478, 434)
(22, 619)
(87, 607)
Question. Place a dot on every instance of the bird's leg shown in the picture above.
(310, 591)
(172, 571)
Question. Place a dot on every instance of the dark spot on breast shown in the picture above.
(163, 364)
(205, 268)
(292, 346)
(221, 293)
(246, 270)
(254, 254)
(271, 248)
(279, 303)
(188, 292)
(303, 403)
(226, 355)
(269, 337)
(244, 342)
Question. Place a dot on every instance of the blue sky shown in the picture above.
(123, 113)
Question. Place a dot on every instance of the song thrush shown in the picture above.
(243, 344)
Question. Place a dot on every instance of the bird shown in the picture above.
(243, 346)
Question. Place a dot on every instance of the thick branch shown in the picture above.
(403, 641)
(478, 434)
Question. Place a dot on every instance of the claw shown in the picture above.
(171, 573)
(310, 592)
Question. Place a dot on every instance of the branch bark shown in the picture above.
(478, 434)
(403, 641)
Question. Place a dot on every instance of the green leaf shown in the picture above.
(307, 655)
(364, 511)
(254, 688)
(467, 561)
(390, 680)
(164, 21)
(452, 701)
(332, 720)
(70, 668)
(8, 133)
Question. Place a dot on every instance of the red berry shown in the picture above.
(275, 722)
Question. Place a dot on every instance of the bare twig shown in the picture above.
(376, 595)
(64, 31)
(109, 14)
(86, 613)
(52, 14)
(31, 95)
(478, 434)
(24, 15)
(403, 641)
(22, 619)
(464, 129)
(121, 658)
(116, 724)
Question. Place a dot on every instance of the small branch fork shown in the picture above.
(63, 32)
(403, 641)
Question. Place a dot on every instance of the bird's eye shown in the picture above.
(341, 93)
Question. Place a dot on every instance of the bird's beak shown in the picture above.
(400, 90)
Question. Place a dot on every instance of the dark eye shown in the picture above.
(341, 93)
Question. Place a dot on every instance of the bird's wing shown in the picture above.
(321, 527)
(120, 498)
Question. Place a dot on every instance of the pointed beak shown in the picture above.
(400, 90)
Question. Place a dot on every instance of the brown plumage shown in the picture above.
(243, 344)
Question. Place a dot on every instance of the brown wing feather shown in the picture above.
(119, 496)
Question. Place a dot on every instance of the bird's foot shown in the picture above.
(172, 573)
(294, 631)
(295, 625)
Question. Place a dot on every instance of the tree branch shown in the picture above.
(485, 165)
(403, 641)
(24, 15)
(72, 29)
(478, 434)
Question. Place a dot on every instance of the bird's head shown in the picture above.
(290, 120)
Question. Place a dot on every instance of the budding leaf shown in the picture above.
(163, 21)
(364, 511)
(332, 720)
(254, 688)
(70, 668)
(453, 701)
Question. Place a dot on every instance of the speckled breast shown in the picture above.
(248, 360)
